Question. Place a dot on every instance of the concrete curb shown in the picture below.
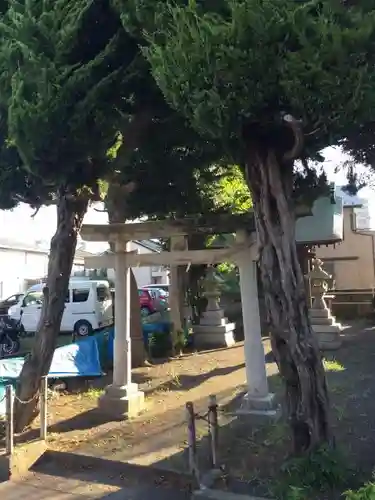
(209, 494)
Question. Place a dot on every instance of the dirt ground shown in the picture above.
(252, 453)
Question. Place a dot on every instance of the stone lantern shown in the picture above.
(319, 284)
(212, 286)
(323, 323)
(214, 329)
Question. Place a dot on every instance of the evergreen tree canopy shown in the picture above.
(171, 170)
(254, 61)
(64, 69)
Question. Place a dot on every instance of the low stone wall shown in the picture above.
(352, 304)
(231, 303)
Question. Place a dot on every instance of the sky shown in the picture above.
(20, 226)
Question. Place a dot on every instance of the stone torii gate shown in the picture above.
(123, 398)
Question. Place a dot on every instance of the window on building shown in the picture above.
(80, 294)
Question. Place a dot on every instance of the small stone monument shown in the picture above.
(214, 329)
(323, 323)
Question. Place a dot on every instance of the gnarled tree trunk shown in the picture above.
(294, 345)
(70, 213)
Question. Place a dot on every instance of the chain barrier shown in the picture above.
(205, 416)
(37, 394)
(10, 398)
(211, 418)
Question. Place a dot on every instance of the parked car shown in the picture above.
(147, 302)
(157, 286)
(88, 306)
(160, 298)
(9, 302)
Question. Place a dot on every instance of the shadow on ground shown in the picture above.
(252, 453)
(139, 483)
(187, 382)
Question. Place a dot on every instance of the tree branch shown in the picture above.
(299, 142)
(131, 136)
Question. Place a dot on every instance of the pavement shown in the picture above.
(16, 490)
(83, 485)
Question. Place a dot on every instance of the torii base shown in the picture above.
(122, 402)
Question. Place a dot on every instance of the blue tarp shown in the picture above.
(80, 359)
(148, 329)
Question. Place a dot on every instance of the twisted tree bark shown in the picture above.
(70, 213)
(270, 180)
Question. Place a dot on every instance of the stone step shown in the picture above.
(214, 329)
(328, 336)
(330, 346)
(209, 494)
(322, 321)
(212, 337)
(333, 328)
(213, 321)
(320, 313)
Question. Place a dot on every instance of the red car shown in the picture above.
(147, 303)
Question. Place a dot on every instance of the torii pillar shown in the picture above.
(258, 400)
(122, 399)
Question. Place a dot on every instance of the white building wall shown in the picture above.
(143, 275)
(364, 211)
(18, 265)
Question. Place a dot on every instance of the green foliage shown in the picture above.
(229, 192)
(61, 69)
(323, 470)
(159, 344)
(175, 162)
(367, 492)
(311, 59)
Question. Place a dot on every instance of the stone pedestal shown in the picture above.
(326, 328)
(122, 402)
(259, 408)
(214, 330)
(323, 323)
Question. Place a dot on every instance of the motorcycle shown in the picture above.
(10, 332)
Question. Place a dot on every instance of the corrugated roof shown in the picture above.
(81, 254)
(150, 245)
(22, 246)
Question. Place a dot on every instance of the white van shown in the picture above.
(88, 306)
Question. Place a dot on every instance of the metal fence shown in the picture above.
(211, 417)
(10, 398)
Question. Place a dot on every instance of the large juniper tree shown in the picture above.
(274, 81)
(63, 66)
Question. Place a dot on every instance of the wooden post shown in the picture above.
(43, 408)
(213, 430)
(9, 438)
(192, 440)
